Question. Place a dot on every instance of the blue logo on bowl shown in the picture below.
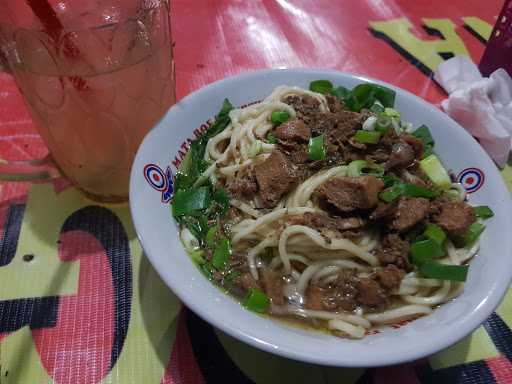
(160, 180)
(471, 179)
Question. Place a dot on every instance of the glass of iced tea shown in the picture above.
(96, 76)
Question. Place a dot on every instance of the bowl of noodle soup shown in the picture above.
(318, 220)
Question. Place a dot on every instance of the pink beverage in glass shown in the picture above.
(96, 76)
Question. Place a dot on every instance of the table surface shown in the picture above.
(111, 319)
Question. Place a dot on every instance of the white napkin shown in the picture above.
(481, 105)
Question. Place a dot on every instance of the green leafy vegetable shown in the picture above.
(211, 236)
(188, 202)
(423, 133)
(434, 270)
(271, 139)
(278, 117)
(367, 137)
(221, 254)
(197, 225)
(341, 93)
(221, 198)
(321, 86)
(365, 95)
(403, 189)
(194, 164)
(483, 211)
(425, 250)
(316, 148)
(256, 301)
(435, 233)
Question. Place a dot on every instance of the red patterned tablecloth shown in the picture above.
(89, 308)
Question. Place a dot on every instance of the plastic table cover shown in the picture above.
(111, 319)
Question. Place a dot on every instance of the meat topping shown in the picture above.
(409, 212)
(347, 194)
(293, 130)
(455, 217)
(275, 176)
(394, 250)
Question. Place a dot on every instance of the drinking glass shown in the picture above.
(96, 76)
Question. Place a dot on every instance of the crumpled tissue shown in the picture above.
(483, 106)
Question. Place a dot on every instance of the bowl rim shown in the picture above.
(479, 315)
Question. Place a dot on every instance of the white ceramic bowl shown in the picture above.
(489, 275)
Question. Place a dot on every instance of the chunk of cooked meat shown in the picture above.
(304, 105)
(245, 281)
(394, 250)
(415, 143)
(340, 295)
(409, 212)
(383, 210)
(322, 221)
(370, 293)
(455, 217)
(275, 176)
(243, 186)
(273, 285)
(389, 277)
(350, 193)
(402, 155)
(334, 103)
(293, 130)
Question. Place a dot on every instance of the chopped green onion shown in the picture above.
(473, 233)
(425, 250)
(210, 238)
(341, 93)
(321, 86)
(278, 117)
(390, 180)
(221, 254)
(355, 167)
(256, 301)
(483, 211)
(377, 107)
(316, 148)
(434, 270)
(392, 113)
(361, 167)
(367, 137)
(271, 139)
(383, 124)
(197, 256)
(436, 172)
(423, 133)
(190, 201)
(453, 194)
(255, 149)
(402, 189)
(435, 233)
